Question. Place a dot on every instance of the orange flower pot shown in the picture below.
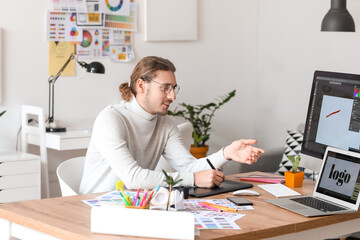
(199, 152)
(294, 179)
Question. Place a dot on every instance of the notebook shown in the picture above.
(263, 178)
(225, 186)
(336, 190)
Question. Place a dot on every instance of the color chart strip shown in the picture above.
(122, 22)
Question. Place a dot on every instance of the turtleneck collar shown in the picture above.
(135, 107)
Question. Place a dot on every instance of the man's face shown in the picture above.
(155, 100)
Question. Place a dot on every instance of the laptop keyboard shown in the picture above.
(318, 204)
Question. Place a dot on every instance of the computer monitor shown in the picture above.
(333, 117)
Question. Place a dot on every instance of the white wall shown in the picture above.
(290, 48)
(267, 50)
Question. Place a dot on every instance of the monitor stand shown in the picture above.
(310, 162)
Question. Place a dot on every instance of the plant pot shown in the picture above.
(199, 152)
(294, 179)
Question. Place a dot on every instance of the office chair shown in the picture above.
(186, 132)
(28, 115)
(69, 174)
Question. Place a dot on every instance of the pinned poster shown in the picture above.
(121, 49)
(91, 45)
(118, 37)
(128, 23)
(59, 53)
(67, 5)
(115, 7)
(89, 20)
(61, 26)
(105, 43)
(121, 53)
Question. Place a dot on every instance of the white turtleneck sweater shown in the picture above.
(127, 143)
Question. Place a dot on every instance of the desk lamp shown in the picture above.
(338, 18)
(93, 67)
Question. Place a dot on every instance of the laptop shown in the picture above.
(336, 190)
(225, 186)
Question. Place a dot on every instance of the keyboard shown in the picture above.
(318, 204)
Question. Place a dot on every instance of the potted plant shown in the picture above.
(294, 178)
(200, 117)
(170, 181)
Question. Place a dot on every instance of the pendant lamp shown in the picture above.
(338, 18)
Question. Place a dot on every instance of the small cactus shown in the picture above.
(295, 162)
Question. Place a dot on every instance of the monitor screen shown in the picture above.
(333, 117)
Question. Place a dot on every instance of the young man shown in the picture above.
(128, 138)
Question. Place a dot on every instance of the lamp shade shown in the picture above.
(95, 67)
(338, 18)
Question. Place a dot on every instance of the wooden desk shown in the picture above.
(70, 140)
(69, 218)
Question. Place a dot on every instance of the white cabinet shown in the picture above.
(19, 176)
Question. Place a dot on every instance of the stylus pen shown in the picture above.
(212, 166)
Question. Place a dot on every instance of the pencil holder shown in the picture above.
(142, 207)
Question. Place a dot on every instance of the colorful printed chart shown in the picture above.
(67, 6)
(87, 39)
(99, 28)
(215, 220)
(123, 22)
(105, 44)
(61, 26)
(117, 7)
(91, 44)
(194, 204)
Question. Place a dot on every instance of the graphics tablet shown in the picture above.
(225, 186)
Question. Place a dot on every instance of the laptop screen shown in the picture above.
(340, 177)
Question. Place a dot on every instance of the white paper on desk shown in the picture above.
(279, 190)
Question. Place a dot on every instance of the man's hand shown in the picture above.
(242, 151)
(208, 178)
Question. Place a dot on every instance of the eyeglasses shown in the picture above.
(166, 87)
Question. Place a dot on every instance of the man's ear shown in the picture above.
(141, 85)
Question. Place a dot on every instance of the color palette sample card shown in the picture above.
(89, 20)
(194, 204)
(91, 45)
(61, 26)
(128, 23)
(67, 5)
(105, 43)
(214, 220)
(205, 219)
(116, 7)
(121, 47)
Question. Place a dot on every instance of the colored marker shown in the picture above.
(124, 199)
(210, 207)
(137, 195)
(144, 197)
(222, 207)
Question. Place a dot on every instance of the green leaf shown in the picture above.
(2, 113)
(165, 173)
(177, 181)
(295, 162)
(200, 117)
